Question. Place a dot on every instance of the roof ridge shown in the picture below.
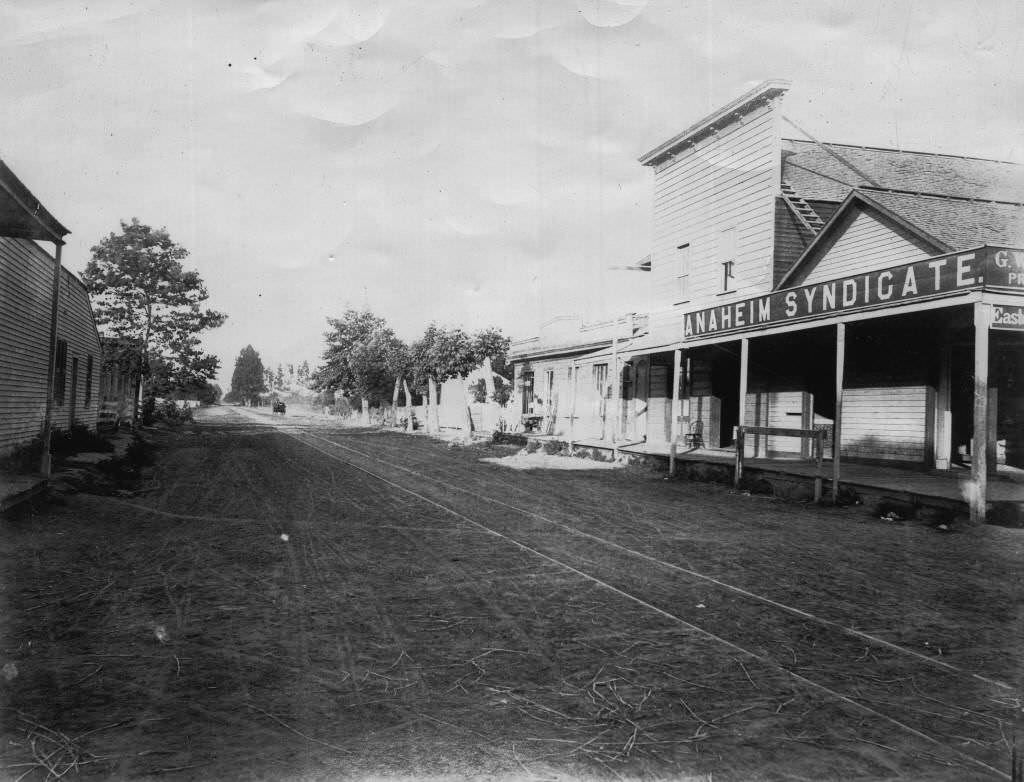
(907, 151)
(944, 197)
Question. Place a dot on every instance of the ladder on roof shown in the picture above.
(803, 210)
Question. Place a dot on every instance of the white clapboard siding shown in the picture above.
(728, 180)
(893, 423)
(708, 411)
(868, 243)
(26, 276)
(783, 410)
(78, 328)
(659, 405)
(26, 283)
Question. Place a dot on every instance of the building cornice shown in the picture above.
(765, 91)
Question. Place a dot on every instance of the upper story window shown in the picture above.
(727, 276)
(682, 273)
(727, 257)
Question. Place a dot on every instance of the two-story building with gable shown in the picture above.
(877, 294)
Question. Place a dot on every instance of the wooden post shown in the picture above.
(979, 450)
(993, 447)
(943, 415)
(819, 454)
(409, 425)
(677, 370)
(572, 405)
(45, 464)
(837, 426)
(738, 472)
(744, 365)
(616, 379)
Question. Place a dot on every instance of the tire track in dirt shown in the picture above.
(623, 574)
(547, 518)
(910, 569)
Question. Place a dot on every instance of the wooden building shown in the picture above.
(49, 345)
(874, 294)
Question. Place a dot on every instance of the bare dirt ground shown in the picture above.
(278, 599)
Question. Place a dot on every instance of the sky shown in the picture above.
(466, 162)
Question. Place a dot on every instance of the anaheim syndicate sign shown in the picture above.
(987, 267)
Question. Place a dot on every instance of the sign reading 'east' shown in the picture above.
(1008, 318)
(934, 277)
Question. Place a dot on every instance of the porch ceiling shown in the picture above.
(21, 214)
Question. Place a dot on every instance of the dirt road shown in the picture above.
(281, 599)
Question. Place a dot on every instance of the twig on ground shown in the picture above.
(289, 728)
(745, 673)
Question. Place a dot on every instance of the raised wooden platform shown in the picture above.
(15, 489)
(932, 491)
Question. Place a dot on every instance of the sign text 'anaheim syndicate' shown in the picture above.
(942, 276)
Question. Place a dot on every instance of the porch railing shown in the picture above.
(817, 435)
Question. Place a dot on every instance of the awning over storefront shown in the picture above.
(651, 343)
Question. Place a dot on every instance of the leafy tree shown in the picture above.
(363, 360)
(438, 355)
(303, 373)
(491, 344)
(352, 329)
(152, 308)
(248, 379)
(279, 379)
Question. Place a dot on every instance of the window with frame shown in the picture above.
(527, 392)
(60, 372)
(727, 257)
(88, 380)
(682, 274)
(601, 380)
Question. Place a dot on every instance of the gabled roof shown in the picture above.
(762, 92)
(825, 238)
(815, 172)
(21, 214)
(958, 224)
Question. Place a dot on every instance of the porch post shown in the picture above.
(943, 415)
(744, 362)
(742, 417)
(837, 426)
(677, 370)
(616, 395)
(45, 464)
(979, 447)
(572, 404)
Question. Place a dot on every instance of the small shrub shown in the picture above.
(553, 447)
(508, 438)
(169, 412)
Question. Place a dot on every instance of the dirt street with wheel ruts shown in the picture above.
(290, 599)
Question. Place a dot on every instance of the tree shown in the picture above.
(490, 344)
(152, 306)
(362, 360)
(247, 381)
(438, 355)
(279, 379)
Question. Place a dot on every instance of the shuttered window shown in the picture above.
(88, 381)
(682, 273)
(60, 372)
